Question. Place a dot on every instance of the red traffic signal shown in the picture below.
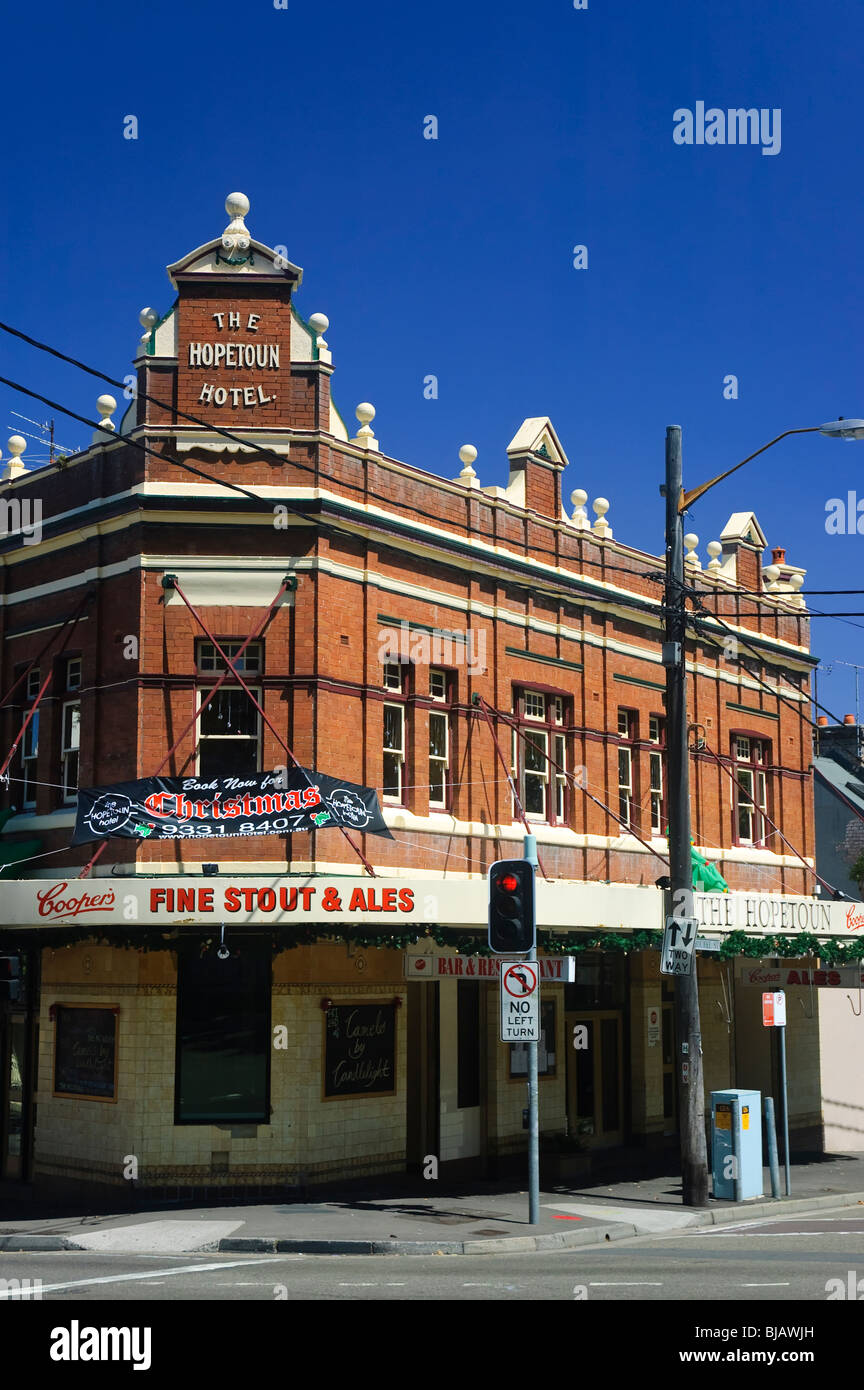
(511, 907)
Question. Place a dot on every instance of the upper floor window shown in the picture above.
(73, 673)
(29, 760)
(534, 705)
(394, 752)
(627, 726)
(229, 735)
(34, 680)
(657, 772)
(70, 742)
(539, 756)
(393, 676)
(250, 663)
(750, 792)
(438, 683)
(439, 757)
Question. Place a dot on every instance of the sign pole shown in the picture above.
(530, 853)
(785, 1104)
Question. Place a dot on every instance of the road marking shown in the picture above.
(624, 1284)
(157, 1273)
(354, 1285)
(161, 1237)
(784, 1284)
(643, 1219)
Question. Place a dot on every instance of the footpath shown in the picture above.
(407, 1216)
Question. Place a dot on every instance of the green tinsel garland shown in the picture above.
(289, 936)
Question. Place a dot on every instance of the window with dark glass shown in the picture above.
(229, 729)
(223, 1034)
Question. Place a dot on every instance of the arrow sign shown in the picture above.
(679, 940)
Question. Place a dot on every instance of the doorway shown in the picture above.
(595, 1080)
(422, 1107)
(18, 1053)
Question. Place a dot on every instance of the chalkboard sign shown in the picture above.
(85, 1052)
(360, 1050)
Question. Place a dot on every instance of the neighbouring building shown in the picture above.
(292, 1007)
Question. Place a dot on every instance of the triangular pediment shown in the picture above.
(537, 436)
(742, 527)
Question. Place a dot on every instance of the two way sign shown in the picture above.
(679, 940)
(520, 1001)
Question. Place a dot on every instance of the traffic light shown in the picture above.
(10, 981)
(511, 907)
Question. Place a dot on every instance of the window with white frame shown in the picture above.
(542, 788)
(394, 752)
(29, 759)
(73, 673)
(250, 663)
(560, 778)
(437, 683)
(535, 773)
(30, 743)
(750, 791)
(229, 734)
(626, 730)
(392, 676)
(534, 705)
(625, 787)
(439, 753)
(70, 743)
(656, 768)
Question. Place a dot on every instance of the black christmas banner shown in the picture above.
(186, 808)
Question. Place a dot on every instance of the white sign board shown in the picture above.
(520, 1001)
(679, 939)
(774, 1009)
(450, 967)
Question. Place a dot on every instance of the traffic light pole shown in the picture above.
(530, 853)
(688, 1031)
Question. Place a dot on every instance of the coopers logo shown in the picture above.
(53, 902)
(77, 1343)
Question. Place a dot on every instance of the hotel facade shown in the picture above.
(294, 1007)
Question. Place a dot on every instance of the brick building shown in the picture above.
(428, 638)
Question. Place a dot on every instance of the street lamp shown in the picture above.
(691, 1089)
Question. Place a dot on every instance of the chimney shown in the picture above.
(778, 555)
(844, 742)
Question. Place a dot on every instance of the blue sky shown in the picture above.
(454, 256)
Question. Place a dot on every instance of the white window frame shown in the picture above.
(29, 761)
(210, 663)
(534, 695)
(392, 676)
(73, 673)
(436, 759)
(655, 780)
(750, 790)
(529, 774)
(70, 749)
(560, 746)
(625, 788)
(255, 738)
(394, 798)
(34, 680)
(434, 672)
